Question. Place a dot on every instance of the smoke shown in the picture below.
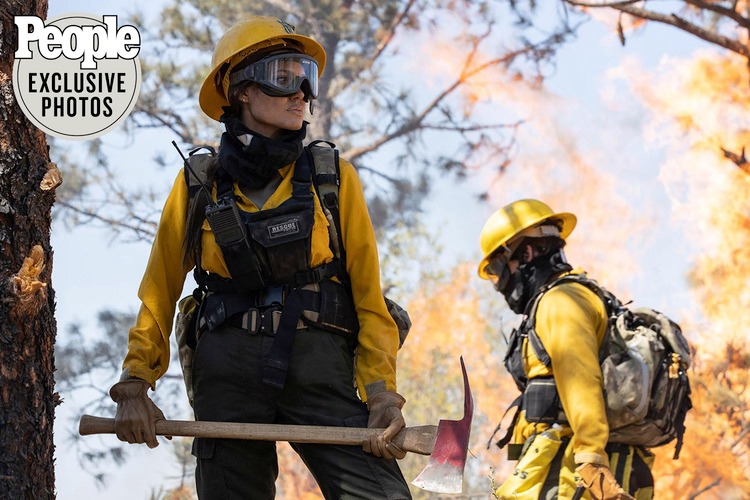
(696, 109)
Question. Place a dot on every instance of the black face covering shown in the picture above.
(526, 281)
(256, 164)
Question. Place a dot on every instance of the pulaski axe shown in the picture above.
(444, 473)
(447, 443)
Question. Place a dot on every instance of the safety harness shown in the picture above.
(646, 401)
(539, 397)
(273, 288)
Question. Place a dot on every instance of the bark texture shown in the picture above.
(27, 322)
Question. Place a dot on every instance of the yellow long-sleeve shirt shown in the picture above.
(148, 341)
(571, 322)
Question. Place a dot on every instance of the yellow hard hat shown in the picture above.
(241, 40)
(509, 221)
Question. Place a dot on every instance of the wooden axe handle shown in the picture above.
(419, 439)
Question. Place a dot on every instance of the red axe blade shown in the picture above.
(444, 472)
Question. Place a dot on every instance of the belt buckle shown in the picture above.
(268, 320)
(251, 321)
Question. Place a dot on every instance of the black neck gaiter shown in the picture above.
(255, 164)
(531, 277)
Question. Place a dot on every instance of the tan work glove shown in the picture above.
(135, 421)
(600, 482)
(385, 411)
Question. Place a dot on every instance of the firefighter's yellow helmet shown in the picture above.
(509, 221)
(242, 40)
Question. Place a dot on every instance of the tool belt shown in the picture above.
(328, 306)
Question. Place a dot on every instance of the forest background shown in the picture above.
(450, 109)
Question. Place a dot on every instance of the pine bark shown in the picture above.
(27, 322)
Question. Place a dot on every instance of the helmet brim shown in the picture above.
(568, 220)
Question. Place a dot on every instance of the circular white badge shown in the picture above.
(76, 77)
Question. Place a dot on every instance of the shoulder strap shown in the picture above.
(326, 176)
(199, 163)
(536, 343)
(195, 176)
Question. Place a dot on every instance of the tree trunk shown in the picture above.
(27, 322)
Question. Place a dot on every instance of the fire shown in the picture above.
(696, 109)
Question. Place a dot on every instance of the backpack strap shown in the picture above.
(509, 433)
(195, 177)
(541, 400)
(199, 163)
(609, 300)
(326, 176)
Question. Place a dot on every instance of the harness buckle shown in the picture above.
(271, 296)
(250, 321)
(268, 322)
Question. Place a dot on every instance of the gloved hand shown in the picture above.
(600, 482)
(135, 421)
(385, 411)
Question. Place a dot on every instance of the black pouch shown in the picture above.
(282, 239)
(542, 402)
(213, 311)
(514, 359)
(337, 313)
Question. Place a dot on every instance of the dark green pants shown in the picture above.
(319, 391)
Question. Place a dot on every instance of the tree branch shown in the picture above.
(724, 11)
(738, 159)
(742, 436)
(577, 3)
(389, 34)
(672, 20)
(177, 126)
(141, 231)
(703, 490)
(417, 121)
(387, 177)
(469, 128)
(683, 24)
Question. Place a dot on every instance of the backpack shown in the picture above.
(644, 359)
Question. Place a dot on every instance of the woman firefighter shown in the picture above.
(278, 311)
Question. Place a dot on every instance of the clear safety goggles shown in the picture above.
(282, 75)
(498, 262)
(497, 266)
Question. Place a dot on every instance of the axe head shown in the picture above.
(444, 472)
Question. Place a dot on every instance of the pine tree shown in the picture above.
(27, 323)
